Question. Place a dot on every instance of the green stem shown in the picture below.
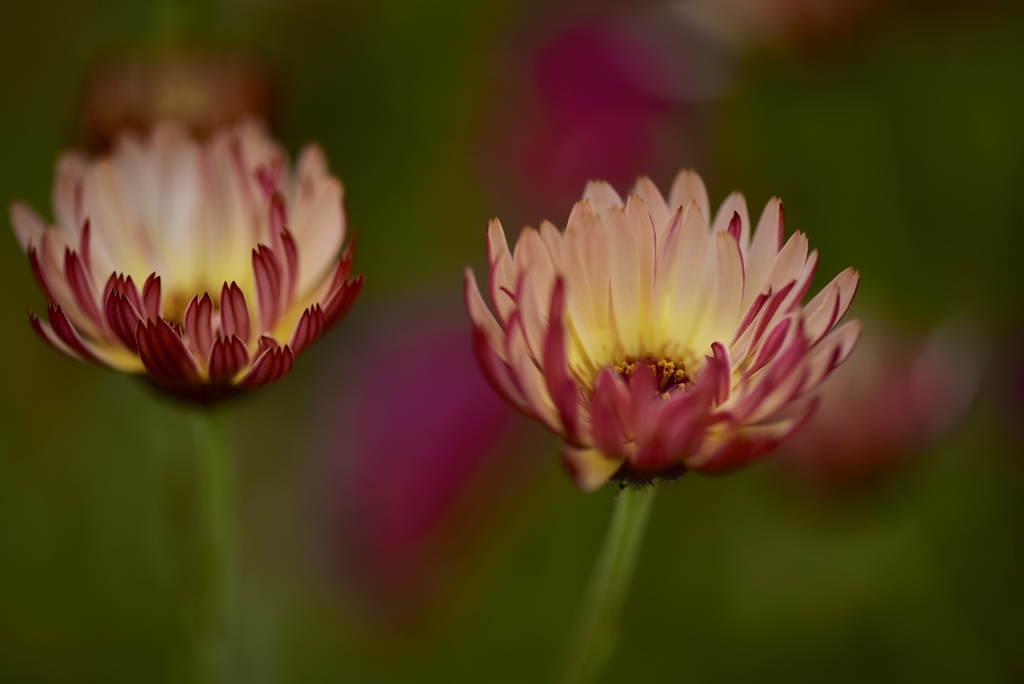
(596, 628)
(216, 469)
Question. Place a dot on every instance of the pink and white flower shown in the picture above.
(654, 341)
(207, 266)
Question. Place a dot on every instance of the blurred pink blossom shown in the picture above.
(420, 474)
(608, 94)
(897, 397)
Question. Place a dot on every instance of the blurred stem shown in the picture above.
(596, 628)
(217, 473)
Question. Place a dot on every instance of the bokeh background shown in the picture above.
(398, 523)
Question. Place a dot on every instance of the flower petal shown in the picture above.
(228, 358)
(198, 324)
(165, 356)
(272, 365)
(689, 187)
(234, 312)
(560, 384)
(589, 468)
(28, 226)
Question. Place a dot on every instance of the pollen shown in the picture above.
(670, 375)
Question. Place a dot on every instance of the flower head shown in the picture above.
(201, 91)
(208, 266)
(654, 342)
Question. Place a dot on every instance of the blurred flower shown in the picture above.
(416, 480)
(606, 93)
(237, 256)
(201, 91)
(742, 23)
(653, 345)
(895, 398)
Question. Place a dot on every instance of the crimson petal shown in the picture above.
(234, 313)
(165, 355)
(228, 357)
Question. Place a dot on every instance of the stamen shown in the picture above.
(670, 375)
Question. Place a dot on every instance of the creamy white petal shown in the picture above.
(531, 379)
(689, 187)
(685, 299)
(602, 196)
(728, 293)
(503, 272)
(655, 204)
(734, 204)
(482, 316)
(765, 244)
(27, 224)
(552, 239)
(789, 262)
(322, 232)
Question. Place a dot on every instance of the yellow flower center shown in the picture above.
(174, 305)
(670, 374)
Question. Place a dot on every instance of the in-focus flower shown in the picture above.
(654, 344)
(206, 266)
(895, 399)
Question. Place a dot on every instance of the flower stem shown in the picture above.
(596, 628)
(216, 469)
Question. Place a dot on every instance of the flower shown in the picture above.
(899, 396)
(408, 514)
(199, 90)
(605, 93)
(652, 344)
(209, 266)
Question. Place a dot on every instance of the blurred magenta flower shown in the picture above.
(603, 94)
(594, 83)
(205, 266)
(652, 343)
(897, 397)
(416, 477)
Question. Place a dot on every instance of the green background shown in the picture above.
(899, 149)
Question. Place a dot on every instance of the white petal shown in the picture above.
(689, 187)
(602, 196)
(536, 280)
(725, 307)
(765, 244)
(587, 271)
(682, 291)
(789, 262)
(115, 232)
(67, 191)
(552, 239)
(318, 224)
(503, 273)
(655, 204)
(734, 204)
(531, 379)
(482, 316)
(27, 224)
